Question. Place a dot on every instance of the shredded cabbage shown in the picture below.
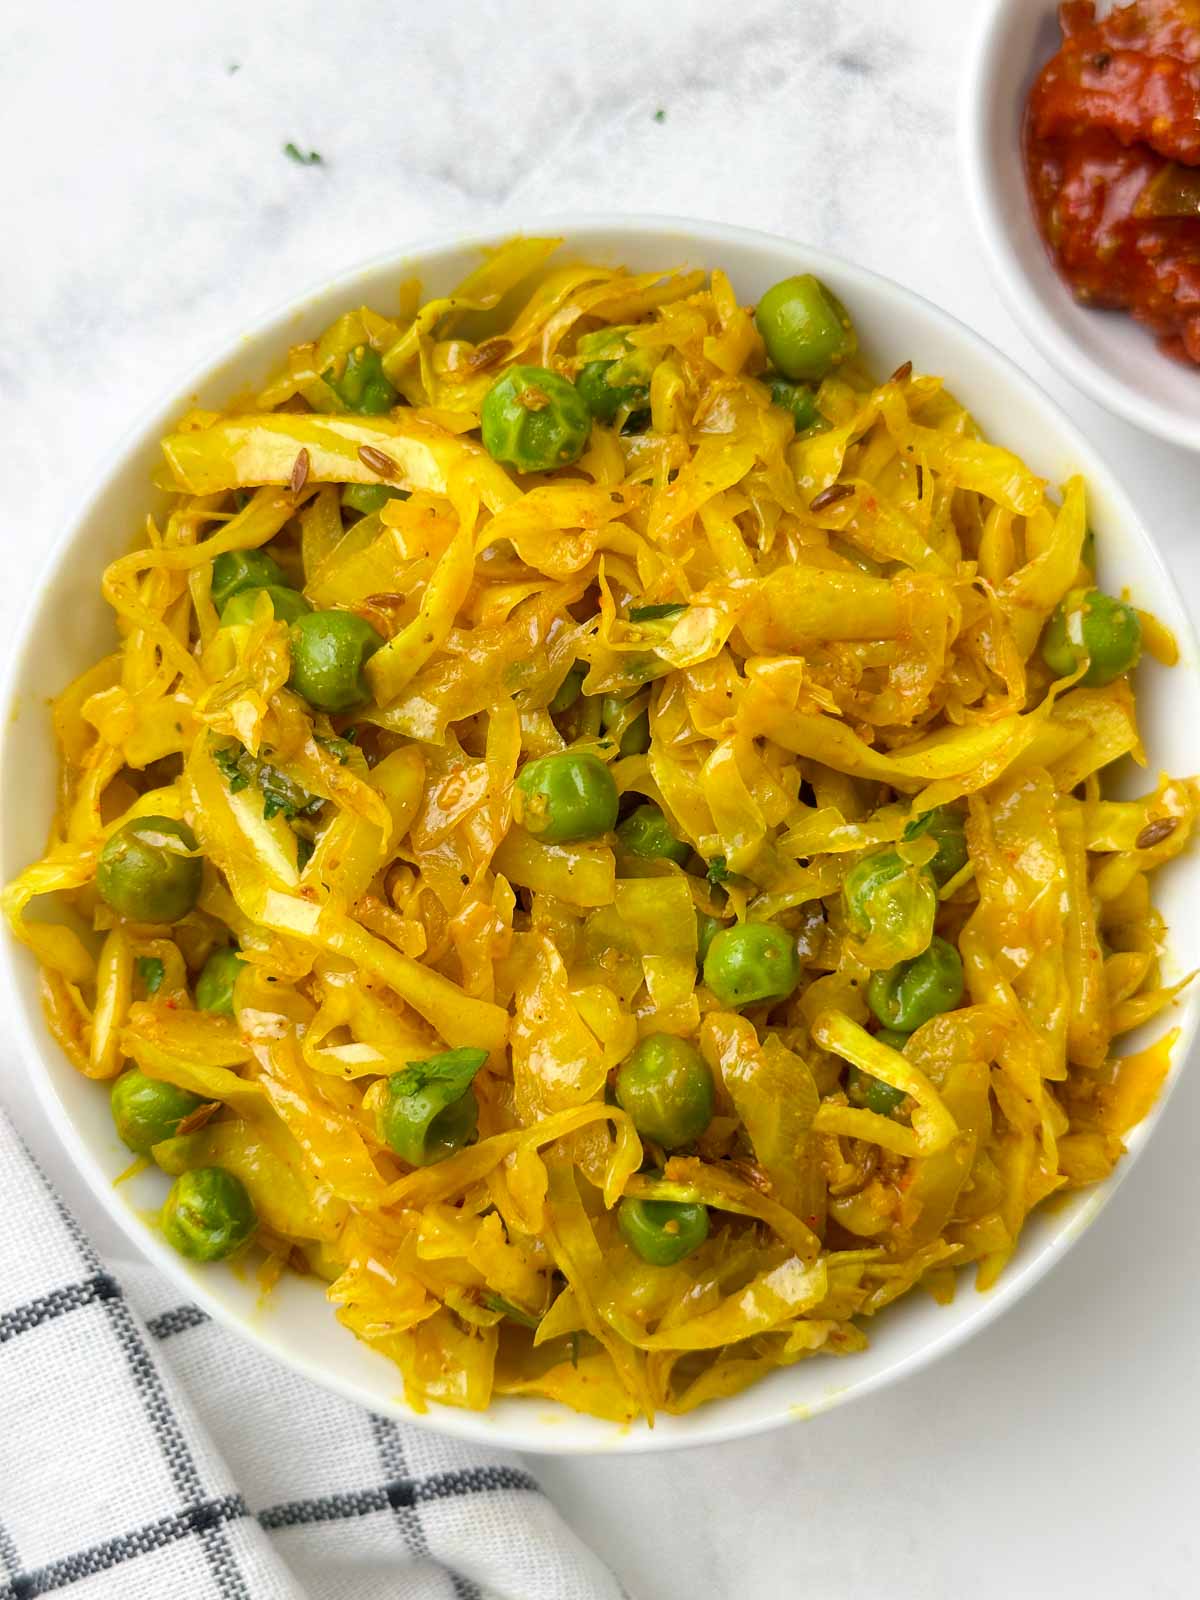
(817, 670)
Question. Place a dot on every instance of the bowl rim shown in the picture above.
(977, 157)
(705, 1427)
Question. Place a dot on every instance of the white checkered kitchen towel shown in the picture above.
(147, 1454)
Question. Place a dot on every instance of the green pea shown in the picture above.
(235, 570)
(429, 1110)
(146, 873)
(603, 396)
(872, 1094)
(635, 735)
(363, 386)
(369, 497)
(151, 973)
(1089, 624)
(569, 689)
(911, 992)
(635, 740)
(605, 344)
(146, 1111)
(534, 420)
(645, 833)
(567, 797)
(666, 1087)
(662, 1232)
(208, 1214)
(214, 986)
(944, 826)
(805, 328)
(286, 604)
(751, 962)
(798, 398)
(707, 929)
(616, 375)
(883, 895)
(329, 651)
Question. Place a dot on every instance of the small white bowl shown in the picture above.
(69, 626)
(1107, 354)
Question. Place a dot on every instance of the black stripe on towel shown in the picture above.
(56, 1304)
(111, 1553)
(395, 1495)
(178, 1320)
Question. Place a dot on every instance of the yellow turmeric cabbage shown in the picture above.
(793, 644)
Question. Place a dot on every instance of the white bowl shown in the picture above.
(1107, 354)
(69, 627)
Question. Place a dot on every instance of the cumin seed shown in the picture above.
(1155, 832)
(831, 496)
(902, 373)
(488, 354)
(533, 398)
(197, 1118)
(377, 461)
(299, 475)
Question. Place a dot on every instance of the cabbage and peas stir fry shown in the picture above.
(591, 839)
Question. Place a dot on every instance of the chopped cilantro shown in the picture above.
(671, 608)
(151, 972)
(718, 872)
(282, 796)
(304, 851)
(495, 1302)
(312, 159)
(338, 748)
(229, 759)
(660, 115)
(449, 1074)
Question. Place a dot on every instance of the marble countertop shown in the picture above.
(151, 216)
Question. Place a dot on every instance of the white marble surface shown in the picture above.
(149, 215)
